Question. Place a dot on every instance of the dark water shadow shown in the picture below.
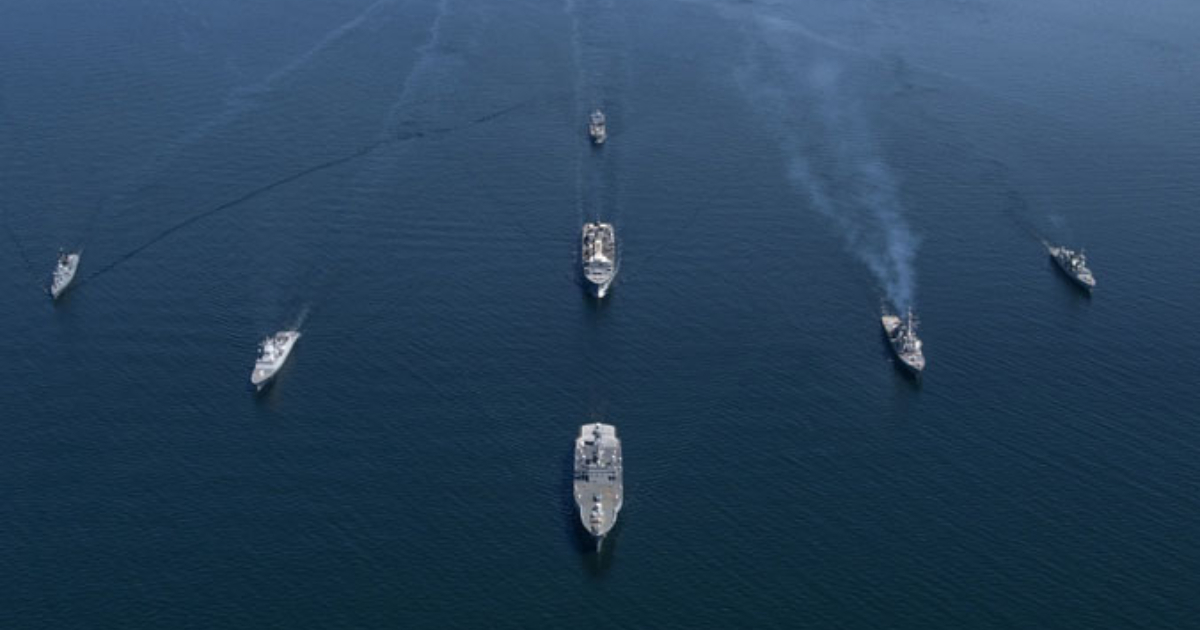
(596, 304)
(568, 513)
(262, 395)
(596, 563)
(61, 301)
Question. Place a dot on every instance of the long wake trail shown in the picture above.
(238, 102)
(359, 153)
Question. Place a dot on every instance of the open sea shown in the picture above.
(405, 181)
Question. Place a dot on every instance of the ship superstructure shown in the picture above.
(597, 127)
(273, 352)
(599, 488)
(599, 256)
(64, 273)
(902, 335)
(1074, 264)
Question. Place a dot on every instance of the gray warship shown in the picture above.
(273, 352)
(902, 335)
(599, 256)
(1074, 264)
(596, 127)
(64, 273)
(599, 488)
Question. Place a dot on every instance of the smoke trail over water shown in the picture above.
(834, 160)
(302, 316)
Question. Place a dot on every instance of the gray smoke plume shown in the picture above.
(833, 158)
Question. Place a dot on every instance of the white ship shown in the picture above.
(1074, 264)
(599, 484)
(64, 273)
(599, 256)
(902, 335)
(273, 352)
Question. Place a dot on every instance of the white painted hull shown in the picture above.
(64, 276)
(265, 371)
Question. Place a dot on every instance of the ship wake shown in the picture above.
(361, 152)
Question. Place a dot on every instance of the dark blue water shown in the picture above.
(405, 181)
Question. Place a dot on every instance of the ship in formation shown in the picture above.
(273, 352)
(902, 336)
(64, 273)
(599, 257)
(597, 128)
(599, 488)
(1074, 264)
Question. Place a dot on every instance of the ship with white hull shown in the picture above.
(1074, 264)
(273, 352)
(64, 273)
(599, 487)
(599, 257)
(902, 336)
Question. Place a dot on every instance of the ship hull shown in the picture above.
(262, 376)
(597, 130)
(1057, 255)
(1076, 280)
(891, 328)
(59, 287)
(599, 260)
(598, 485)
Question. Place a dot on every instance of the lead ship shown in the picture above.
(273, 352)
(596, 127)
(1074, 264)
(599, 489)
(599, 256)
(902, 335)
(64, 273)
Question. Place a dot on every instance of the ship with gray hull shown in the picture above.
(597, 127)
(901, 333)
(598, 483)
(64, 273)
(1074, 264)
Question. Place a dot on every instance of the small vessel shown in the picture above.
(596, 127)
(599, 488)
(1074, 264)
(273, 352)
(599, 256)
(902, 335)
(64, 273)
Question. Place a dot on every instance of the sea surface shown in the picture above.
(405, 181)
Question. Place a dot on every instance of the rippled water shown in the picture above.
(405, 181)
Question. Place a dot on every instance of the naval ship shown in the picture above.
(596, 127)
(599, 256)
(902, 335)
(272, 354)
(599, 489)
(1074, 264)
(64, 273)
